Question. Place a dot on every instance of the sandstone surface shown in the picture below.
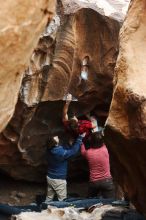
(116, 9)
(21, 24)
(55, 70)
(125, 126)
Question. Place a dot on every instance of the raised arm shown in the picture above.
(64, 154)
(65, 108)
(74, 149)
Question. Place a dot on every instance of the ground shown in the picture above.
(21, 193)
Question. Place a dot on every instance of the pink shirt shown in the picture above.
(98, 160)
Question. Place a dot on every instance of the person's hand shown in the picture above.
(69, 98)
(87, 116)
(83, 135)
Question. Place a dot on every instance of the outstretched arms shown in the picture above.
(63, 154)
(65, 108)
(75, 147)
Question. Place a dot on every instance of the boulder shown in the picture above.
(21, 24)
(54, 70)
(125, 126)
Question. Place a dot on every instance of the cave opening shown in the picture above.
(45, 121)
(76, 55)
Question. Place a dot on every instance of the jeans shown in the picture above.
(102, 188)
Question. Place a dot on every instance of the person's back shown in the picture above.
(100, 182)
(98, 160)
(57, 166)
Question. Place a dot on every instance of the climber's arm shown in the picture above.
(65, 108)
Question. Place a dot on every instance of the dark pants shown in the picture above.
(102, 188)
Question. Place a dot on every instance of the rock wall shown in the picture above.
(126, 126)
(114, 9)
(79, 37)
(21, 24)
(54, 70)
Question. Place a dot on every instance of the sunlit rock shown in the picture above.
(21, 23)
(116, 9)
(126, 124)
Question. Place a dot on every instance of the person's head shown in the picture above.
(73, 123)
(56, 138)
(52, 141)
(96, 140)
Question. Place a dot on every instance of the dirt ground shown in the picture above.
(22, 193)
(19, 192)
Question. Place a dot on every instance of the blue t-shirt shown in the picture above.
(57, 159)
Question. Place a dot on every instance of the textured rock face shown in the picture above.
(21, 25)
(79, 37)
(54, 70)
(126, 128)
(114, 9)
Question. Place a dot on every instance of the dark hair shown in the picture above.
(73, 124)
(96, 140)
(51, 142)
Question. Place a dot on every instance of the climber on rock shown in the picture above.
(76, 126)
(57, 156)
